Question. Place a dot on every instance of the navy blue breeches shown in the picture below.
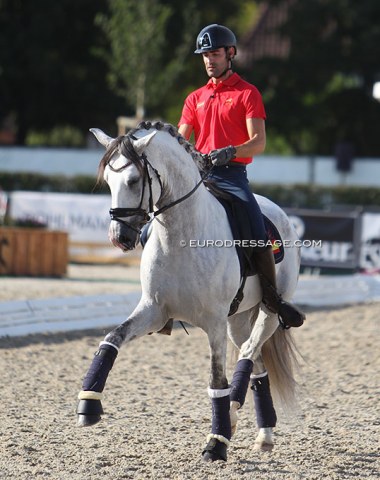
(233, 179)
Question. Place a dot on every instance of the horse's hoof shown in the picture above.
(89, 412)
(263, 447)
(215, 451)
(88, 420)
(264, 440)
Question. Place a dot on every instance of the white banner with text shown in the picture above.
(84, 217)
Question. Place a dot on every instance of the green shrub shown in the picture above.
(61, 136)
(319, 197)
(50, 183)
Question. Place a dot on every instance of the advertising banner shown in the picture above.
(84, 217)
(370, 242)
(343, 240)
(334, 238)
(3, 205)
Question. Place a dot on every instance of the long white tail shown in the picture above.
(279, 354)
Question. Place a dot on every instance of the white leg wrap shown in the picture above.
(259, 375)
(108, 343)
(218, 437)
(216, 393)
(89, 395)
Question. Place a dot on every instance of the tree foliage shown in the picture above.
(59, 68)
(52, 73)
(321, 93)
(137, 37)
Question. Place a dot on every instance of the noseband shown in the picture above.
(118, 214)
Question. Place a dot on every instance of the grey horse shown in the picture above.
(189, 273)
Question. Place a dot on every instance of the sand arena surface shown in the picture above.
(157, 409)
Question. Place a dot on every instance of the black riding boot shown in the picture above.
(288, 314)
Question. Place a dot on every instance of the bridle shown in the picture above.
(118, 214)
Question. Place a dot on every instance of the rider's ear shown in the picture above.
(230, 52)
(101, 137)
(141, 143)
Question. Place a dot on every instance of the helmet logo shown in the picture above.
(205, 41)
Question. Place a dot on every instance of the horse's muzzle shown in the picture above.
(123, 237)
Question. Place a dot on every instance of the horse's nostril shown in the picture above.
(127, 242)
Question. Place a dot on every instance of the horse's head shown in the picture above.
(134, 184)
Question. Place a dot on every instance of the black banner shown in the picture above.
(329, 239)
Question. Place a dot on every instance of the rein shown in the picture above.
(117, 213)
(179, 200)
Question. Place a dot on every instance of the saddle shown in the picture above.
(238, 218)
(240, 225)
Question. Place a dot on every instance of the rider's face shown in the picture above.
(215, 62)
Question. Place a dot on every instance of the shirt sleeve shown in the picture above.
(254, 105)
(187, 116)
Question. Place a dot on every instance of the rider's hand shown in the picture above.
(222, 156)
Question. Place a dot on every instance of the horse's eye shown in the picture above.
(132, 181)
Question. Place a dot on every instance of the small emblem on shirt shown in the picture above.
(228, 101)
(200, 104)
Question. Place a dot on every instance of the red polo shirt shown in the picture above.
(218, 113)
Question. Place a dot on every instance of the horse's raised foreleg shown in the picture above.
(143, 320)
(219, 393)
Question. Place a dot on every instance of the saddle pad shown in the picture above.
(240, 226)
(245, 254)
(275, 239)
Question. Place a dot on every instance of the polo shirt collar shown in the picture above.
(229, 82)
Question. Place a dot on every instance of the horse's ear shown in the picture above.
(141, 143)
(101, 137)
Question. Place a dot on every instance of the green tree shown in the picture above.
(137, 38)
(321, 93)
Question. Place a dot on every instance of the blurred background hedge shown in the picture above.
(37, 182)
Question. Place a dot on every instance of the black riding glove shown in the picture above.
(222, 156)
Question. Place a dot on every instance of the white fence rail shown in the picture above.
(265, 168)
(25, 317)
(19, 318)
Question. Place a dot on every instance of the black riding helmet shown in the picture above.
(213, 37)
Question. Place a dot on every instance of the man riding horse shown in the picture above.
(227, 117)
